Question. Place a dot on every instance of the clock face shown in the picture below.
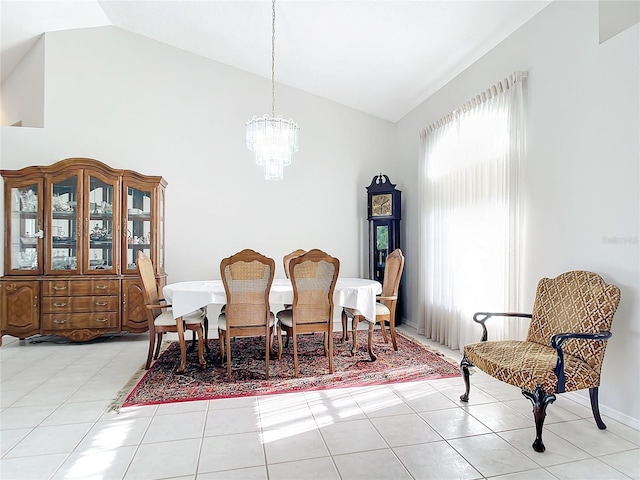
(381, 205)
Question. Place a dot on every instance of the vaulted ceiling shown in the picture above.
(381, 57)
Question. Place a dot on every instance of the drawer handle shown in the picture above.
(101, 320)
(59, 322)
(56, 287)
(102, 287)
(56, 304)
(100, 304)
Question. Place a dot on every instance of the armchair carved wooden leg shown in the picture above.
(540, 399)
(465, 363)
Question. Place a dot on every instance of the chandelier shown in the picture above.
(273, 139)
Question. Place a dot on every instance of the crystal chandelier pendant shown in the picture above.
(273, 139)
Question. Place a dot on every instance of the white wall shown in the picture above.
(582, 170)
(22, 93)
(135, 103)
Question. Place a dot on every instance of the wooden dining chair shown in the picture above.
(385, 306)
(160, 319)
(286, 260)
(247, 277)
(313, 276)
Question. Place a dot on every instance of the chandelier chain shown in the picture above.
(273, 58)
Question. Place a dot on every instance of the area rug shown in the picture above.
(411, 362)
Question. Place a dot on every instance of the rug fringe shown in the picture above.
(116, 403)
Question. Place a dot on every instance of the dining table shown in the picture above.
(351, 292)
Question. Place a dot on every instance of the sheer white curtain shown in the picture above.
(470, 216)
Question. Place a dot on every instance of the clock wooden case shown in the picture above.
(384, 215)
(72, 233)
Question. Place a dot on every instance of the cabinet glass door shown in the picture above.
(24, 229)
(138, 210)
(100, 230)
(63, 225)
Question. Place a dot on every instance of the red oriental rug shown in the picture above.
(411, 362)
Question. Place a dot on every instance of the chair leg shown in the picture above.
(228, 348)
(152, 343)
(295, 354)
(158, 344)
(183, 347)
(345, 334)
(329, 339)
(279, 335)
(201, 342)
(593, 394)
(371, 354)
(221, 343)
(540, 399)
(383, 327)
(354, 333)
(465, 363)
(268, 347)
(392, 329)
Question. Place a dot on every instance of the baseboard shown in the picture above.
(604, 410)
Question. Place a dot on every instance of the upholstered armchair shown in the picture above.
(564, 348)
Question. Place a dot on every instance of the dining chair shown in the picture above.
(286, 260)
(385, 306)
(313, 276)
(247, 277)
(160, 319)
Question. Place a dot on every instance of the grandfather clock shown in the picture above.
(383, 213)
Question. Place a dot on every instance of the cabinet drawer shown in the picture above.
(66, 288)
(79, 304)
(62, 321)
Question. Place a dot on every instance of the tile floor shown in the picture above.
(54, 424)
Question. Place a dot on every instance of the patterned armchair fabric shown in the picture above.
(564, 348)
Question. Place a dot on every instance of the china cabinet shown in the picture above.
(72, 233)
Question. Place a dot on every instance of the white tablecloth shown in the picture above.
(356, 293)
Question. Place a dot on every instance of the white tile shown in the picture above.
(92, 464)
(282, 445)
(491, 455)
(499, 417)
(182, 407)
(399, 430)
(454, 423)
(353, 436)
(586, 435)
(592, 468)
(558, 450)
(24, 417)
(10, 438)
(175, 427)
(314, 468)
(30, 468)
(330, 406)
(223, 452)
(251, 473)
(49, 440)
(237, 420)
(537, 474)
(83, 412)
(114, 433)
(627, 462)
(372, 465)
(431, 400)
(164, 460)
(436, 460)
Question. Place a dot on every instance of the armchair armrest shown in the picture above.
(559, 339)
(481, 317)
